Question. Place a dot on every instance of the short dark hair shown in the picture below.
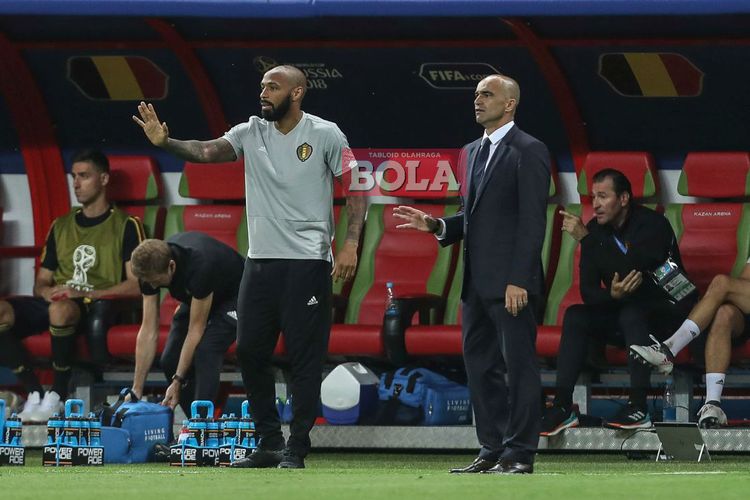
(149, 258)
(95, 157)
(620, 183)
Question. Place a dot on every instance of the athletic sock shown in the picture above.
(63, 353)
(714, 386)
(683, 336)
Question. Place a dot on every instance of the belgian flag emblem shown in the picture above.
(651, 74)
(118, 78)
(304, 151)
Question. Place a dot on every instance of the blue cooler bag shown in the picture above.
(130, 430)
(447, 403)
(433, 398)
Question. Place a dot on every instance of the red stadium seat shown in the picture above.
(412, 261)
(714, 238)
(225, 222)
(715, 175)
(638, 166)
(445, 339)
(136, 186)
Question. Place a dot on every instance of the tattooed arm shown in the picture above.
(214, 151)
(346, 260)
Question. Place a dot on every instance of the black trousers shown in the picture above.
(620, 323)
(503, 374)
(203, 377)
(294, 297)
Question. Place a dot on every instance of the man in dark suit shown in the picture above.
(502, 224)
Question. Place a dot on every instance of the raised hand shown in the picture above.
(416, 219)
(157, 133)
(628, 285)
(573, 225)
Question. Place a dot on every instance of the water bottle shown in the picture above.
(84, 431)
(246, 427)
(55, 429)
(212, 433)
(231, 430)
(390, 301)
(95, 430)
(669, 407)
(185, 434)
(13, 430)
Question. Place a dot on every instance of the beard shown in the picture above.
(277, 113)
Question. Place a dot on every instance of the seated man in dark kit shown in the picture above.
(619, 248)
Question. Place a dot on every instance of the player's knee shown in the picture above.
(64, 312)
(719, 284)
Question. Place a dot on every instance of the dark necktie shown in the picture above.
(480, 164)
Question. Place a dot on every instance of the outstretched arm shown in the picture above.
(416, 219)
(214, 151)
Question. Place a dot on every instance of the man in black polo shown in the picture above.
(204, 275)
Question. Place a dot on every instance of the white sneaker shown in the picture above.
(657, 354)
(31, 407)
(711, 416)
(49, 405)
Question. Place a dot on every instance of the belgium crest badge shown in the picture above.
(304, 151)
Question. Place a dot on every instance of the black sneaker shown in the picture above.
(260, 459)
(556, 419)
(630, 417)
(161, 452)
(291, 460)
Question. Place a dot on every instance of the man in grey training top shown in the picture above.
(290, 160)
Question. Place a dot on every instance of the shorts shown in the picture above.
(32, 315)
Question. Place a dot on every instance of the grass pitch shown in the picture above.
(363, 476)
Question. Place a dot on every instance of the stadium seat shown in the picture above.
(445, 339)
(413, 261)
(211, 183)
(714, 237)
(715, 175)
(136, 187)
(638, 167)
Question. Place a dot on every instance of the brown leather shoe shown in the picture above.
(510, 467)
(478, 465)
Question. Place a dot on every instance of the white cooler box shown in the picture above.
(349, 393)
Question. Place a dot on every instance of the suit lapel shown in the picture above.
(496, 159)
(472, 156)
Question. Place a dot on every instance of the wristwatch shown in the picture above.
(179, 379)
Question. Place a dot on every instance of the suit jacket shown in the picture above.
(503, 220)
